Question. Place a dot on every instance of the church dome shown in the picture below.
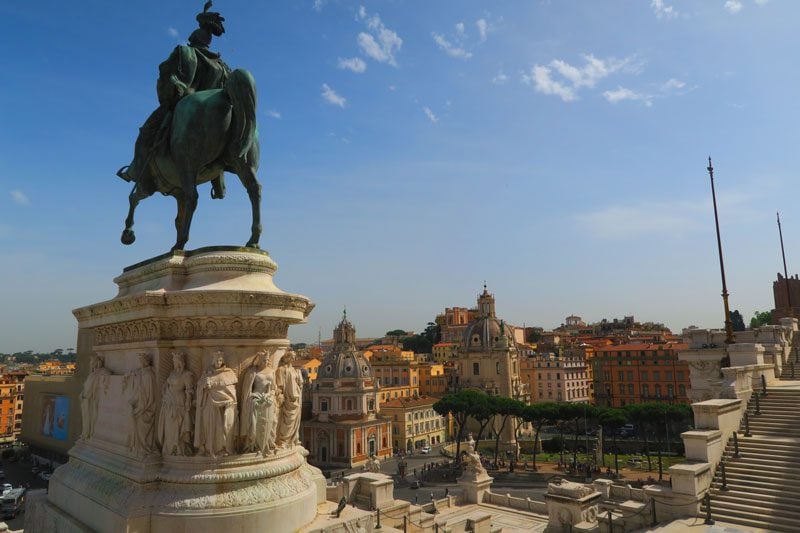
(344, 365)
(486, 333)
(344, 361)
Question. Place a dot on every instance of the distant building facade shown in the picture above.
(638, 373)
(414, 422)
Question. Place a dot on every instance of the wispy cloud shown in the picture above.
(761, 2)
(662, 10)
(20, 198)
(483, 29)
(573, 78)
(273, 113)
(172, 32)
(354, 64)
(671, 217)
(733, 6)
(623, 93)
(500, 79)
(319, 4)
(450, 48)
(428, 113)
(381, 43)
(332, 97)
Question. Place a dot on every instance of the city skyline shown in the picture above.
(556, 151)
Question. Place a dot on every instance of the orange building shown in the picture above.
(640, 372)
(432, 381)
(12, 391)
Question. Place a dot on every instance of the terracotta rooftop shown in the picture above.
(642, 347)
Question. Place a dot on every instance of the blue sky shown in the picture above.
(412, 150)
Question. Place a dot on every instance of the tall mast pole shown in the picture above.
(785, 271)
(728, 322)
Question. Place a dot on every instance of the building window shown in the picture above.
(476, 369)
(670, 391)
(497, 367)
(371, 405)
(658, 390)
(645, 390)
(682, 390)
(323, 405)
(680, 375)
(644, 375)
(630, 375)
(656, 375)
(621, 375)
(669, 375)
(630, 389)
(622, 388)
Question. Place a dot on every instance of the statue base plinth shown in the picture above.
(195, 303)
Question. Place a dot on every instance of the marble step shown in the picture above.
(786, 501)
(755, 486)
(735, 512)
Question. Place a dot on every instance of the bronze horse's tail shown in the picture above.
(241, 89)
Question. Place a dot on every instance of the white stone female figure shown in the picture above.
(290, 390)
(174, 430)
(257, 418)
(90, 395)
(141, 384)
(215, 419)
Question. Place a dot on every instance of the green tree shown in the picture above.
(737, 320)
(460, 405)
(399, 333)
(760, 318)
(612, 419)
(539, 414)
(504, 407)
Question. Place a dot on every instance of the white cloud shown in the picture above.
(428, 113)
(451, 49)
(172, 32)
(273, 113)
(483, 29)
(543, 83)
(382, 44)
(460, 31)
(761, 2)
(319, 4)
(622, 93)
(672, 85)
(355, 64)
(20, 198)
(662, 10)
(332, 97)
(733, 6)
(392, 87)
(574, 78)
(500, 79)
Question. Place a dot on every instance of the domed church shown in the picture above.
(489, 361)
(345, 429)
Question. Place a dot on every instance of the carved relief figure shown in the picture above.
(174, 421)
(141, 384)
(290, 389)
(257, 417)
(90, 395)
(215, 420)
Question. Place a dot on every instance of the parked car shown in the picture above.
(6, 487)
(45, 476)
(425, 450)
(416, 484)
(628, 430)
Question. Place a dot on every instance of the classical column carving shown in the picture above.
(141, 387)
(175, 421)
(290, 390)
(90, 395)
(215, 420)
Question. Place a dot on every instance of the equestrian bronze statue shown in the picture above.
(205, 125)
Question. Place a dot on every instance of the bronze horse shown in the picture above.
(212, 131)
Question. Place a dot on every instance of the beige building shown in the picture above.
(561, 377)
(489, 360)
(414, 422)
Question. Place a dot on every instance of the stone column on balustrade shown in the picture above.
(704, 356)
(571, 506)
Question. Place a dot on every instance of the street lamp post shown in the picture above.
(728, 322)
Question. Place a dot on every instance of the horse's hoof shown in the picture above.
(128, 236)
(252, 245)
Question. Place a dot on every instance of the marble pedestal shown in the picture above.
(196, 303)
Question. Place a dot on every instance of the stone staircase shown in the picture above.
(763, 483)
